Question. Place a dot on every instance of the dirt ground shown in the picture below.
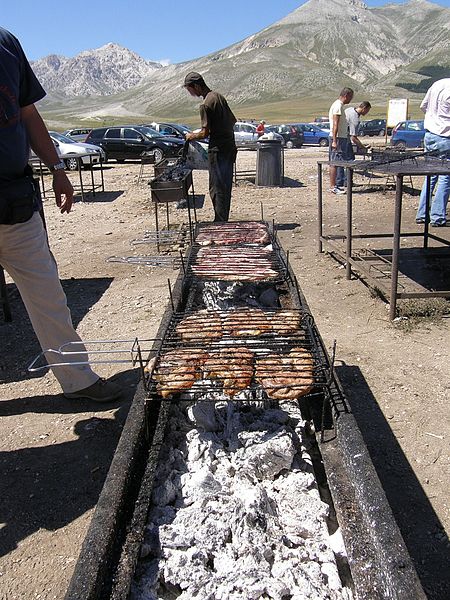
(55, 453)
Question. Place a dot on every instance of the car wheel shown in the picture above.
(381, 132)
(105, 159)
(289, 145)
(158, 154)
(401, 145)
(72, 163)
(323, 142)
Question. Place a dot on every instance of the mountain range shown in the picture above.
(389, 51)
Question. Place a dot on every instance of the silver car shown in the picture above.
(72, 152)
(245, 135)
(78, 135)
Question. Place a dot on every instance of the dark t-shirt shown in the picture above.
(18, 87)
(216, 115)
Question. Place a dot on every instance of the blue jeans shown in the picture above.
(344, 151)
(439, 203)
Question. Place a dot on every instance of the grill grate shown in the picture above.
(241, 354)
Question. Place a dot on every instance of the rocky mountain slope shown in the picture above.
(104, 71)
(316, 49)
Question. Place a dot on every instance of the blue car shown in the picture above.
(312, 134)
(408, 134)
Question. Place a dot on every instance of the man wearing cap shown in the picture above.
(217, 122)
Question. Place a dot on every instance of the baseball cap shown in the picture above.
(192, 78)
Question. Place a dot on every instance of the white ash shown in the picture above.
(236, 511)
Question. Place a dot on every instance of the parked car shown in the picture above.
(408, 134)
(173, 129)
(373, 127)
(72, 152)
(79, 135)
(245, 135)
(130, 141)
(314, 134)
(291, 133)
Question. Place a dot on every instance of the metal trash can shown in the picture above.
(269, 163)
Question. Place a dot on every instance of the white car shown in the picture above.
(245, 135)
(71, 152)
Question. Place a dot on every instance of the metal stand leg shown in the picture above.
(4, 297)
(427, 212)
(348, 252)
(320, 204)
(396, 246)
(157, 227)
(91, 164)
(191, 236)
(81, 180)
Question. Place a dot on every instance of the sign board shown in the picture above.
(397, 111)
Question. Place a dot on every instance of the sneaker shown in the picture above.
(100, 391)
(337, 190)
(444, 224)
(420, 221)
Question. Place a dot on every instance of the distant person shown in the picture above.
(24, 249)
(436, 106)
(340, 145)
(217, 122)
(353, 115)
(261, 128)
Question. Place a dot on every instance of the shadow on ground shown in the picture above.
(19, 343)
(49, 486)
(419, 525)
(98, 197)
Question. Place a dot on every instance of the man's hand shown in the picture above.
(334, 144)
(63, 191)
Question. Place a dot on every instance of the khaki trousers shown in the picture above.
(26, 256)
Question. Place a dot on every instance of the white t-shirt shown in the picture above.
(436, 106)
(352, 117)
(337, 108)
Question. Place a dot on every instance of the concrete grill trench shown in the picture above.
(236, 510)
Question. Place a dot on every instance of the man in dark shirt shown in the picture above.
(24, 249)
(217, 122)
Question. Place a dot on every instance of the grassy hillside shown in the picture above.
(303, 109)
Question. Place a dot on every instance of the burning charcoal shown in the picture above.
(246, 524)
(264, 458)
(203, 414)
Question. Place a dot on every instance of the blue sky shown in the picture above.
(163, 30)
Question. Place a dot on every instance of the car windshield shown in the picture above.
(149, 132)
(59, 137)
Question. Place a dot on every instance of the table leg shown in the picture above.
(81, 180)
(91, 164)
(320, 205)
(157, 227)
(101, 174)
(427, 212)
(396, 246)
(348, 251)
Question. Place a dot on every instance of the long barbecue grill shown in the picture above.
(281, 323)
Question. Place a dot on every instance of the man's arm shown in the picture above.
(200, 135)
(42, 144)
(334, 130)
(424, 103)
(355, 140)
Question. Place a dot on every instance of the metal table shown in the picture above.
(423, 166)
(84, 187)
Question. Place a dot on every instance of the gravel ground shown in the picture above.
(55, 453)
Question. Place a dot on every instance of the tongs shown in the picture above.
(184, 153)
